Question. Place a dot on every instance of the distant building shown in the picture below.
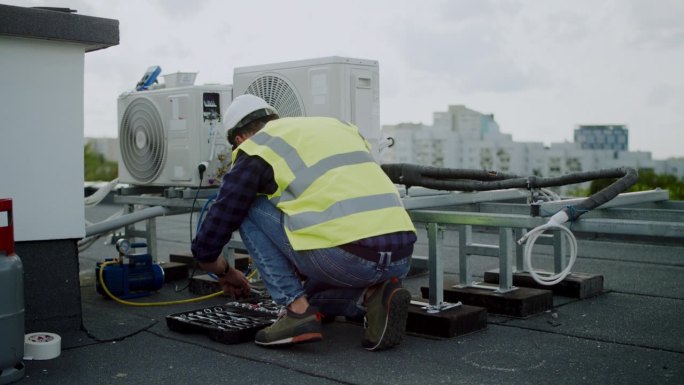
(467, 139)
(602, 137)
(465, 122)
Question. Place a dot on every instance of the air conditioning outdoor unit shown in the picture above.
(166, 133)
(344, 88)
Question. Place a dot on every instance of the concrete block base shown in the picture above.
(520, 303)
(575, 285)
(203, 285)
(174, 271)
(449, 323)
(241, 260)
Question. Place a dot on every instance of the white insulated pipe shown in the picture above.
(124, 220)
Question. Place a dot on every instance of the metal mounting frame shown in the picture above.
(647, 213)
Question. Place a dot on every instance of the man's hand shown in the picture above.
(234, 284)
(232, 281)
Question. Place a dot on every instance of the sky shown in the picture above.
(542, 67)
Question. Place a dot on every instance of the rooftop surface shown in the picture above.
(631, 334)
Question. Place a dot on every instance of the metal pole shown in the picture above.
(505, 259)
(436, 276)
(519, 249)
(126, 220)
(151, 236)
(465, 236)
(559, 251)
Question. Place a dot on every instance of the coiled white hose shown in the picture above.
(531, 237)
(95, 198)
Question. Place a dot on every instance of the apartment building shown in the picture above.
(464, 138)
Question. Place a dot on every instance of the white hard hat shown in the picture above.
(242, 107)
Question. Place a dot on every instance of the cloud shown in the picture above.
(179, 9)
(656, 24)
(465, 10)
(668, 97)
(473, 54)
(480, 9)
(540, 66)
(567, 27)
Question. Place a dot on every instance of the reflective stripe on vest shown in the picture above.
(305, 176)
(342, 209)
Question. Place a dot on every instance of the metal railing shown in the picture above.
(646, 213)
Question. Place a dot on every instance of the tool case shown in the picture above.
(232, 323)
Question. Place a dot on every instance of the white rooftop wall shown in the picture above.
(41, 104)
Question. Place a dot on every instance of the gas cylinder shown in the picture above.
(11, 301)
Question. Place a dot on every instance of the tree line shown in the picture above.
(648, 180)
(97, 167)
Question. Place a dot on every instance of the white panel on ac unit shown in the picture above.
(339, 87)
(166, 133)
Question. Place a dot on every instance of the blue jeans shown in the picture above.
(332, 279)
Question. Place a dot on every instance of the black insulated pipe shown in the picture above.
(483, 180)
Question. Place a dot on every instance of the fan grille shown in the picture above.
(278, 93)
(141, 136)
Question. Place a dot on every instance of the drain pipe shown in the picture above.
(128, 219)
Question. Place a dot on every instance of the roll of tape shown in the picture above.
(42, 346)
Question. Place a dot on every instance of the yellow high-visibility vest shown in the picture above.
(329, 187)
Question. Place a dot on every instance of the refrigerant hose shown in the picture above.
(483, 180)
(143, 304)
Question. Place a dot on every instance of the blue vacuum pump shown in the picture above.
(131, 275)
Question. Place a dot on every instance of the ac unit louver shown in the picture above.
(142, 140)
(166, 133)
(278, 93)
(343, 88)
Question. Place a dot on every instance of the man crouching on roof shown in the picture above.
(323, 224)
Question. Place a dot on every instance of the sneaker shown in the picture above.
(387, 309)
(292, 328)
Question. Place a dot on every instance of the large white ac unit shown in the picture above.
(344, 88)
(166, 133)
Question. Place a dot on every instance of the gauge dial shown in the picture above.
(123, 246)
